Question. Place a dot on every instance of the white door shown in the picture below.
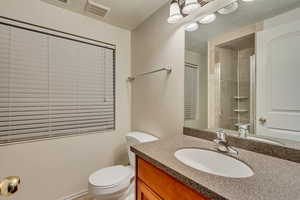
(278, 81)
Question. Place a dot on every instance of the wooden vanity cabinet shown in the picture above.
(145, 193)
(154, 184)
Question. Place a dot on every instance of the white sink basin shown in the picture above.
(213, 162)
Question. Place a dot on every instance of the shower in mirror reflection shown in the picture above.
(235, 77)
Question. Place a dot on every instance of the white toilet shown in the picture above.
(116, 182)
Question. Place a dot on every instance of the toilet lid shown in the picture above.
(110, 176)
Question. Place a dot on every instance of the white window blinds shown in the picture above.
(190, 92)
(53, 86)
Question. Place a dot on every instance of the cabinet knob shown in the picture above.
(9, 185)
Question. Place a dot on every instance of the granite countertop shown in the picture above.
(273, 178)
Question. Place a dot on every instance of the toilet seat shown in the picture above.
(110, 180)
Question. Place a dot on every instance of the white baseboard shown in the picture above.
(75, 195)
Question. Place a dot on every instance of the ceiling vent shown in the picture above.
(96, 9)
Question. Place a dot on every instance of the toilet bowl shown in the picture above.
(111, 183)
(117, 182)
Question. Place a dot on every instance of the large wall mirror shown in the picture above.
(242, 71)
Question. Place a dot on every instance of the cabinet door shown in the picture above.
(145, 193)
(164, 185)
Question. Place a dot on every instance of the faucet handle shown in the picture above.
(221, 134)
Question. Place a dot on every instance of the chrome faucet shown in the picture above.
(222, 143)
(244, 130)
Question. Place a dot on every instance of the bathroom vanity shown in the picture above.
(161, 176)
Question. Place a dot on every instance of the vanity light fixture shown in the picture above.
(207, 19)
(229, 9)
(182, 8)
(190, 6)
(191, 26)
(175, 13)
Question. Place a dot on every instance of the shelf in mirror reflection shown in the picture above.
(240, 97)
(240, 110)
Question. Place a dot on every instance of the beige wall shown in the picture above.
(53, 169)
(283, 18)
(158, 99)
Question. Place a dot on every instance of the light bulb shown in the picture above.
(175, 14)
(206, 19)
(191, 27)
(190, 6)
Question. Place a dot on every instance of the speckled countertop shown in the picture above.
(273, 179)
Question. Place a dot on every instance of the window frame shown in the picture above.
(68, 36)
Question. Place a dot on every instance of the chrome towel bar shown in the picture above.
(167, 69)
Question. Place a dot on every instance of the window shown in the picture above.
(53, 85)
(190, 91)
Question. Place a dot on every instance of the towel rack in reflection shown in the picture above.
(191, 65)
(167, 69)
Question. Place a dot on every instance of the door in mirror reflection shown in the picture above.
(279, 99)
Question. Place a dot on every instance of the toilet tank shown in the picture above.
(134, 138)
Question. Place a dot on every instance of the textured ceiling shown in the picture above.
(126, 14)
